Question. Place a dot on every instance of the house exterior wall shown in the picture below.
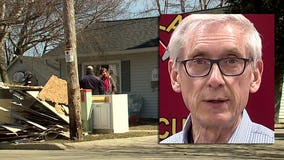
(281, 111)
(141, 67)
(42, 69)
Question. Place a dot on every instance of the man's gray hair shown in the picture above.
(191, 23)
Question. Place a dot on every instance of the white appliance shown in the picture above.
(110, 113)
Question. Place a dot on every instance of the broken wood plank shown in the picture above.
(22, 87)
(35, 112)
(12, 128)
(48, 106)
(15, 115)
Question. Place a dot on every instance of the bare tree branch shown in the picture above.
(36, 26)
(159, 7)
(182, 6)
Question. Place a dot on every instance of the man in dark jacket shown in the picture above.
(90, 81)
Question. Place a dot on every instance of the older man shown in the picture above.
(215, 63)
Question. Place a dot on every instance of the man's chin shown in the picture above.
(216, 120)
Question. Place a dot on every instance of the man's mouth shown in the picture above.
(216, 101)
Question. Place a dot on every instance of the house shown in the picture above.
(127, 48)
(281, 110)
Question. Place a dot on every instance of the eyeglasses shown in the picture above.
(201, 67)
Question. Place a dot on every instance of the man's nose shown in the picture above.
(216, 78)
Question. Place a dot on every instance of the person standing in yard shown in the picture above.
(90, 81)
(109, 84)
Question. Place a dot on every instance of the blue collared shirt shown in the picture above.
(246, 132)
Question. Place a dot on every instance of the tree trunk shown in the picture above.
(221, 3)
(166, 6)
(74, 100)
(3, 34)
(159, 7)
(182, 6)
(201, 4)
(3, 67)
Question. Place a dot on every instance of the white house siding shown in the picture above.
(141, 66)
(42, 69)
(281, 112)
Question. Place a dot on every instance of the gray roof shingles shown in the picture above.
(119, 35)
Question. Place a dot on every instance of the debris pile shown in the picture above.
(33, 113)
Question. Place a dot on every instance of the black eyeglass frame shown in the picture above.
(217, 61)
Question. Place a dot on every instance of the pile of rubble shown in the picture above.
(30, 113)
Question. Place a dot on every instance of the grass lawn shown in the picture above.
(144, 128)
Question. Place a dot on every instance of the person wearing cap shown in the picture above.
(91, 81)
(215, 64)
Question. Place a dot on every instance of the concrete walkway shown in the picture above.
(143, 148)
(134, 142)
(147, 148)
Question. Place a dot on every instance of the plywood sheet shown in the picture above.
(55, 90)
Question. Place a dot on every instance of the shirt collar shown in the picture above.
(186, 129)
(242, 131)
(239, 134)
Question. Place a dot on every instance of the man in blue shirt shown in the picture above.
(90, 81)
(215, 63)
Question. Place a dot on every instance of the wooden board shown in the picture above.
(55, 90)
(48, 106)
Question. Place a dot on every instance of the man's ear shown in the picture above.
(256, 76)
(174, 76)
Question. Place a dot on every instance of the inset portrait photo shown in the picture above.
(216, 79)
